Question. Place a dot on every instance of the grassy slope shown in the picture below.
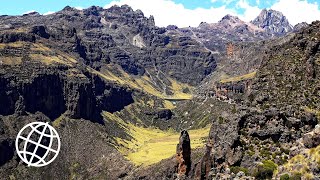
(150, 145)
(37, 52)
(302, 163)
(239, 78)
(144, 84)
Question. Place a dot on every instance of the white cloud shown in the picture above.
(49, 12)
(298, 10)
(250, 12)
(168, 12)
(79, 8)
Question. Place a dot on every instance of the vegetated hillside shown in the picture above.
(275, 123)
(96, 75)
(291, 76)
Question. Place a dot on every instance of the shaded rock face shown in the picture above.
(53, 94)
(7, 151)
(164, 114)
(203, 167)
(183, 154)
(224, 138)
(273, 22)
(278, 110)
(44, 94)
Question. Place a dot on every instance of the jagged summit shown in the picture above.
(273, 22)
(231, 19)
(32, 13)
(299, 26)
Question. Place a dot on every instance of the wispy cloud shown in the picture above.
(49, 12)
(79, 8)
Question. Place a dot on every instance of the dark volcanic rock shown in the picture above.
(164, 114)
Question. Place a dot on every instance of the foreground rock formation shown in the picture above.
(183, 155)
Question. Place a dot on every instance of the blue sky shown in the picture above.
(17, 7)
(180, 12)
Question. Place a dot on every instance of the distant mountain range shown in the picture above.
(268, 24)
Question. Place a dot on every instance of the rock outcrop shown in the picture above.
(312, 139)
(183, 155)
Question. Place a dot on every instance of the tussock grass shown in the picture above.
(17, 44)
(168, 105)
(48, 60)
(10, 60)
(302, 163)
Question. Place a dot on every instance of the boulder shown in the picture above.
(312, 139)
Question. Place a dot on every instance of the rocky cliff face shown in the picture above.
(53, 92)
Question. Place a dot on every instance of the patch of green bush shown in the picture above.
(265, 171)
(265, 153)
(236, 169)
(296, 176)
(285, 177)
(221, 120)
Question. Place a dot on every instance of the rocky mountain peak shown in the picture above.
(67, 8)
(33, 13)
(230, 19)
(273, 22)
(299, 26)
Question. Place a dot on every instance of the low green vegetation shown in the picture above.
(299, 166)
(236, 169)
(265, 170)
(285, 177)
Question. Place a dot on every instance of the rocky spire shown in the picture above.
(183, 154)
